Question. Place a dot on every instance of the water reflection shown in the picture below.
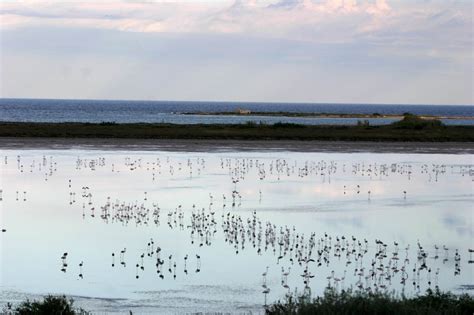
(230, 231)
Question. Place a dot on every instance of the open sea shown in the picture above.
(123, 111)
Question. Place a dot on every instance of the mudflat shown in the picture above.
(184, 145)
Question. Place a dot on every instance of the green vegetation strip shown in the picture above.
(411, 128)
(332, 302)
(349, 302)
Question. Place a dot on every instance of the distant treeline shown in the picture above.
(410, 128)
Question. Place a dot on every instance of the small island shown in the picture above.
(248, 112)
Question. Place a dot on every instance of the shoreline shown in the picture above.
(189, 145)
(411, 129)
(323, 115)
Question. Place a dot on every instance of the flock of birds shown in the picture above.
(368, 265)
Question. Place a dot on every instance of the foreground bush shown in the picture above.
(348, 302)
(51, 305)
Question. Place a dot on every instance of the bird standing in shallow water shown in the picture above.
(198, 263)
(80, 270)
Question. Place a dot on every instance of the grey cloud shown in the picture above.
(409, 56)
(85, 63)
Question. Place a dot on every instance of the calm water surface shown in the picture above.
(240, 212)
(123, 111)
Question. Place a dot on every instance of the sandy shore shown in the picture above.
(236, 145)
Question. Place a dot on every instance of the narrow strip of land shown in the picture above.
(321, 115)
(405, 131)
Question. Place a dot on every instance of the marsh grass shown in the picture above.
(411, 128)
(332, 302)
(356, 302)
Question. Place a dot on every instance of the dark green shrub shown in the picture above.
(351, 302)
(51, 305)
(411, 121)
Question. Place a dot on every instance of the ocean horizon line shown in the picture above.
(228, 102)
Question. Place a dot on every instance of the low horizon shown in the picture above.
(230, 102)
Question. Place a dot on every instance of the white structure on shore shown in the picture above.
(242, 111)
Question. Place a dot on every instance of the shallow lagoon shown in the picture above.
(293, 195)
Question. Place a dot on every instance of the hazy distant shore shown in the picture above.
(321, 115)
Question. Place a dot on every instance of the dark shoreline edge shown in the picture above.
(409, 130)
(187, 145)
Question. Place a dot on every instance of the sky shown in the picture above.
(321, 51)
